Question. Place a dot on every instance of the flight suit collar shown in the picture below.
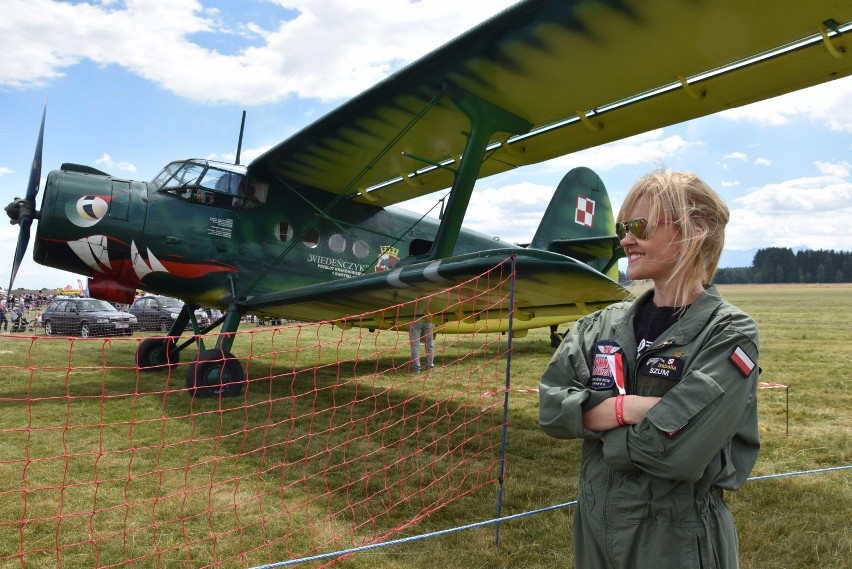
(687, 327)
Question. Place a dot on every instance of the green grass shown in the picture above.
(101, 416)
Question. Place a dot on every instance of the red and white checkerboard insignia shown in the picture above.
(742, 362)
(585, 211)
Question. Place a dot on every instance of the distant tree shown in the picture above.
(780, 265)
(767, 263)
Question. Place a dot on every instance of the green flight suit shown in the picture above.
(651, 494)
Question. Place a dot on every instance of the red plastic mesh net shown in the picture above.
(333, 442)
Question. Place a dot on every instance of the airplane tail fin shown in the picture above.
(579, 223)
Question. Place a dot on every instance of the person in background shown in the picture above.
(4, 322)
(421, 330)
(662, 390)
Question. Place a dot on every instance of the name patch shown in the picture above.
(666, 368)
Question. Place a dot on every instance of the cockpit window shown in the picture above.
(210, 183)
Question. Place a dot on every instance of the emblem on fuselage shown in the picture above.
(388, 258)
(87, 210)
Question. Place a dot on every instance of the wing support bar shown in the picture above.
(485, 120)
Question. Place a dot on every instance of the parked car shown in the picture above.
(86, 317)
(159, 313)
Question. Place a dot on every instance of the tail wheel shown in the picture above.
(215, 373)
(157, 353)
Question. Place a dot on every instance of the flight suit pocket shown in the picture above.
(683, 402)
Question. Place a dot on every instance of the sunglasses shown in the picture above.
(638, 226)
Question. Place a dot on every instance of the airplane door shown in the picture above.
(178, 229)
(221, 231)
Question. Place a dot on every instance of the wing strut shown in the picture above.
(485, 120)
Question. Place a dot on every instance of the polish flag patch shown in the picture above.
(742, 362)
(585, 213)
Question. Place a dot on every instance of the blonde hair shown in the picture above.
(701, 216)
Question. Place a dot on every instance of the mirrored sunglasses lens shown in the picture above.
(620, 230)
(639, 227)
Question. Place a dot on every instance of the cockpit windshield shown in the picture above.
(209, 183)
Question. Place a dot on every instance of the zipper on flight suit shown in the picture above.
(634, 373)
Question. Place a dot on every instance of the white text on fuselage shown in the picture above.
(338, 267)
(221, 227)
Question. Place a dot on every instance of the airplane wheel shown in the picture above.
(215, 373)
(156, 353)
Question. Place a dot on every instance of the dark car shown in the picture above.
(86, 317)
(159, 313)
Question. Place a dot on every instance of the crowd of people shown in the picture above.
(17, 313)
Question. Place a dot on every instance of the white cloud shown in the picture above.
(4, 170)
(827, 104)
(108, 163)
(318, 54)
(646, 148)
(801, 211)
(730, 183)
(763, 162)
(742, 156)
(515, 209)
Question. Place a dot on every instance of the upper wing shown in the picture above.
(582, 72)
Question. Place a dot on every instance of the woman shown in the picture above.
(662, 390)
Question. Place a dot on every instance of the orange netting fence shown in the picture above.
(333, 443)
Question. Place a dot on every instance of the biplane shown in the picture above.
(309, 231)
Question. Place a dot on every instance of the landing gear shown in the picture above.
(215, 373)
(555, 337)
(156, 353)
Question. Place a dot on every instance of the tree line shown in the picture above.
(782, 265)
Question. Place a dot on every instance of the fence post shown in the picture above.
(505, 405)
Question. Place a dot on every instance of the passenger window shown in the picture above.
(283, 231)
(361, 249)
(337, 243)
(311, 238)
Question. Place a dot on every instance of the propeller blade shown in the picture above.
(27, 211)
(35, 171)
(20, 250)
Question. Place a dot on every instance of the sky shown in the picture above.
(132, 85)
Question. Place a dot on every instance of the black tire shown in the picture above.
(165, 326)
(48, 328)
(215, 373)
(157, 353)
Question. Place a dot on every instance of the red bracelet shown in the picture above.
(619, 409)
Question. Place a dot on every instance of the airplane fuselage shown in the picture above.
(205, 245)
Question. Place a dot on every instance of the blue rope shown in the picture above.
(497, 521)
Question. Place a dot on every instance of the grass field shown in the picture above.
(795, 522)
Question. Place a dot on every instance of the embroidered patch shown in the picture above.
(742, 362)
(607, 367)
(667, 368)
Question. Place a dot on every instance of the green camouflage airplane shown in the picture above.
(305, 231)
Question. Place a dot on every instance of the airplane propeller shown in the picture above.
(22, 211)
